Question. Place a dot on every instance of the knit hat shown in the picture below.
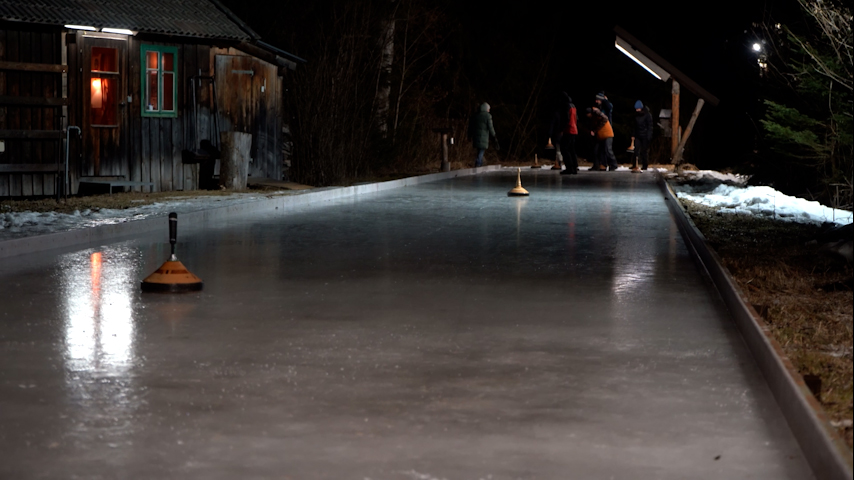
(600, 96)
(638, 104)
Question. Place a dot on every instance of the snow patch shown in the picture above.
(767, 202)
(729, 194)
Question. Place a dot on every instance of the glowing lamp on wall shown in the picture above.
(97, 93)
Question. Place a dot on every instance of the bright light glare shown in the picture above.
(757, 47)
(636, 61)
(82, 27)
(122, 31)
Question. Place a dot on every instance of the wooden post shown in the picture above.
(443, 137)
(674, 120)
(446, 165)
(684, 137)
(234, 160)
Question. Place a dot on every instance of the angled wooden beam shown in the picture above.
(663, 64)
(677, 159)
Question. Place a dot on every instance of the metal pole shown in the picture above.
(67, 148)
(173, 233)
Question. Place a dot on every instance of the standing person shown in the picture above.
(480, 129)
(643, 135)
(605, 106)
(563, 131)
(600, 127)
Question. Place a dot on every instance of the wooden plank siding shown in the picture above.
(30, 100)
(137, 146)
(141, 149)
(52, 88)
(260, 115)
(188, 57)
(14, 150)
(153, 134)
(4, 178)
(74, 46)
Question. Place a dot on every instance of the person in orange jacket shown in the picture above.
(603, 152)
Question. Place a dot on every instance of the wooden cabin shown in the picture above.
(129, 91)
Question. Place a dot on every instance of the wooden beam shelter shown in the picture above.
(663, 70)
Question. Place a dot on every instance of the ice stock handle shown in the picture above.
(173, 230)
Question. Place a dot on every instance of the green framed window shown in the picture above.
(159, 81)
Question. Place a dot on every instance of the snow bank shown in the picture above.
(764, 202)
(705, 180)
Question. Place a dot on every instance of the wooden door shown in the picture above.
(247, 96)
(104, 105)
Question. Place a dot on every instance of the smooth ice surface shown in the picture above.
(443, 331)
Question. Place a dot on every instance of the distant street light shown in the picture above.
(761, 57)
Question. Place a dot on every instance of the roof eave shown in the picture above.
(677, 75)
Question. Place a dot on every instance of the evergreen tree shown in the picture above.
(808, 123)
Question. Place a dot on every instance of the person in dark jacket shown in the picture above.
(643, 134)
(480, 129)
(605, 106)
(563, 132)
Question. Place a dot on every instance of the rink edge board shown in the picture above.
(826, 452)
(103, 233)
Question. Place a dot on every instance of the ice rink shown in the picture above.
(437, 332)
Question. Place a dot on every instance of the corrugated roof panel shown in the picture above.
(191, 18)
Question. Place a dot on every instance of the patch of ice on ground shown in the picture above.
(765, 202)
(25, 224)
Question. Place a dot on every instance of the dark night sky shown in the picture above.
(705, 40)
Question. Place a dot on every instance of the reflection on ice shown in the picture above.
(633, 276)
(97, 297)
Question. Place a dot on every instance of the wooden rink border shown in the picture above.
(827, 454)
(106, 233)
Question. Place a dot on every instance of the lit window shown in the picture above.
(103, 94)
(159, 77)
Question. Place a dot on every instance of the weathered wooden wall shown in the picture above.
(251, 103)
(29, 101)
(149, 147)
(146, 149)
(157, 142)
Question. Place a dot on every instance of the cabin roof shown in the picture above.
(189, 18)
